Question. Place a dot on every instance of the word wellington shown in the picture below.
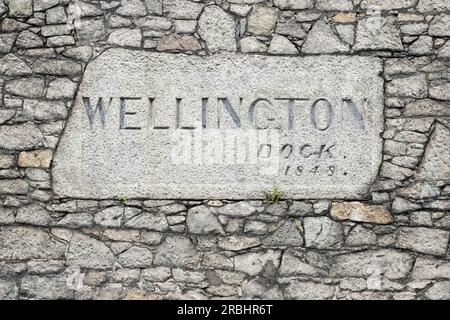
(259, 113)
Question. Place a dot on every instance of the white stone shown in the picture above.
(435, 163)
(322, 39)
(143, 163)
(216, 27)
(294, 4)
(262, 21)
(126, 37)
(377, 33)
(282, 46)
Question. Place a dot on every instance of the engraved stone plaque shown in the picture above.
(228, 126)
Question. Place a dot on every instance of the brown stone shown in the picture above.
(178, 42)
(36, 159)
(357, 211)
(344, 17)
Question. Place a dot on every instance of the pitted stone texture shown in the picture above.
(20, 137)
(378, 33)
(435, 163)
(425, 240)
(23, 243)
(200, 220)
(177, 251)
(440, 26)
(217, 28)
(178, 43)
(439, 291)
(126, 38)
(282, 46)
(87, 252)
(182, 9)
(262, 21)
(433, 6)
(253, 263)
(392, 264)
(322, 39)
(294, 4)
(20, 8)
(151, 170)
(334, 5)
(387, 4)
(322, 232)
(359, 212)
(309, 291)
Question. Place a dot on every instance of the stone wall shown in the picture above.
(393, 245)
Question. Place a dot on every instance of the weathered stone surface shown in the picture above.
(61, 88)
(181, 9)
(425, 240)
(12, 65)
(109, 217)
(149, 221)
(322, 39)
(58, 67)
(20, 8)
(254, 262)
(282, 46)
(26, 87)
(238, 243)
(294, 4)
(13, 186)
(439, 291)
(35, 215)
(177, 251)
(132, 8)
(216, 27)
(322, 232)
(360, 236)
(126, 38)
(252, 44)
(200, 220)
(44, 110)
(426, 268)
(178, 43)
(261, 288)
(305, 264)
(309, 291)
(6, 42)
(440, 92)
(46, 287)
(87, 252)
(359, 212)
(7, 216)
(136, 257)
(392, 264)
(145, 171)
(377, 33)
(35, 159)
(27, 39)
(335, 5)
(440, 26)
(8, 290)
(20, 137)
(422, 46)
(262, 21)
(414, 86)
(429, 6)
(387, 4)
(23, 243)
(435, 163)
(286, 235)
